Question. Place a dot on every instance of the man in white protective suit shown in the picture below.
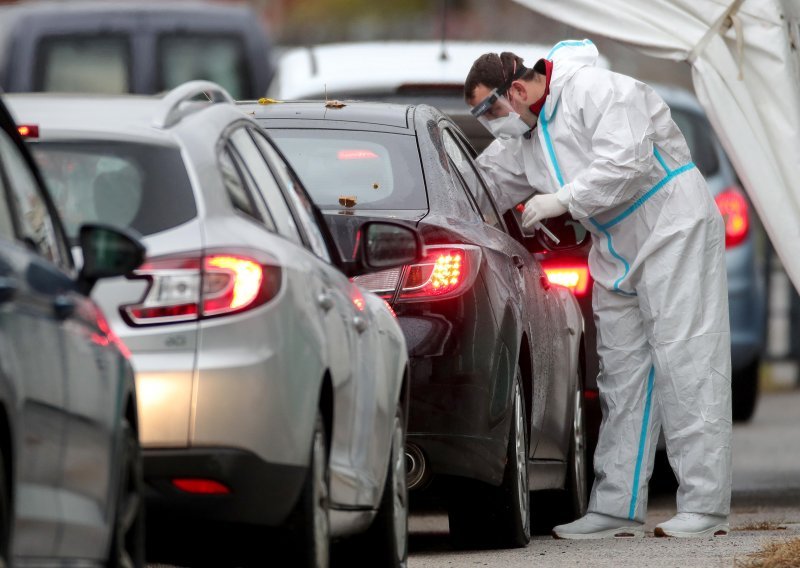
(603, 147)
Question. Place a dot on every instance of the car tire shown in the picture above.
(555, 507)
(127, 548)
(385, 543)
(310, 523)
(744, 395)
(482, 516)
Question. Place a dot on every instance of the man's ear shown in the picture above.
(520, 90)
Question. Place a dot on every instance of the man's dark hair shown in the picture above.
(496, 72)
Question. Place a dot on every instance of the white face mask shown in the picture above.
(508, 127)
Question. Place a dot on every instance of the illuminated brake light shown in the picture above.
(201, 486)
(733, 207)
(446, 271)
(230, 283)
(576, 278)
(356, 155)
(358, 299)
(190, 288)
(28, 130)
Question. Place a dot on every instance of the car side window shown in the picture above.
(266, 184)
(472, 180)
(35, 224)
(298, 196)
(239, 193)
(6, 222)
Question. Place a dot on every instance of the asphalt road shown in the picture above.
(765, 507)
(766, 495)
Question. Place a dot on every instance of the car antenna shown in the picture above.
(443, 55)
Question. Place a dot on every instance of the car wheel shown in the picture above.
(745, 392)
(385, 543)
(483, 516)
(310, 525)
(554, 507)
(127, 545)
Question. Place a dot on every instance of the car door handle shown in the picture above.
(545, 281)
(8, 289)
(360, 324)
(325, 301)
(63, 306)
(518, 262)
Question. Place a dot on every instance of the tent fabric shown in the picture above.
(745, 57)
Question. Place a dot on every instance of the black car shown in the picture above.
(496, 385)
(70, 465)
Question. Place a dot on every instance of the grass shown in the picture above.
(778, 554)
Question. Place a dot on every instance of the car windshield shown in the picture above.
(346, 169)
(130, 185)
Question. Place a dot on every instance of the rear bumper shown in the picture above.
(262, 493)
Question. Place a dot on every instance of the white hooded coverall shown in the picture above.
(607, 146)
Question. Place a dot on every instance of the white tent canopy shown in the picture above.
(745, 57)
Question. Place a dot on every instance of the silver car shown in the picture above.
(70, 465)
(271, 388)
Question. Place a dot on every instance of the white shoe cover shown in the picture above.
(693, 525)
(596, 525)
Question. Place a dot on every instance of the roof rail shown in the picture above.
(171, 112)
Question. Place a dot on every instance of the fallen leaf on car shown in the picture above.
(265, 101)
(334, 104)
(347, 200)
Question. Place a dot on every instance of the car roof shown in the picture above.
(86, 116)
(115, 6)
(362, 67)
(393, 116)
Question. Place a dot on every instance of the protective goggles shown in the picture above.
(497, 115)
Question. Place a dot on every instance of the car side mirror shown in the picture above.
(570, 234)
(107, 252)
(382, 245)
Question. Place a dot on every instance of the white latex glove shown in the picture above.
(541, 207)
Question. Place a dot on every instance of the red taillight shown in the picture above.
(574, 277)
(190, 288)
(201, 486)
(446, 271)
(230, 283)
(28, 130)
(358, 298)
(733, 206)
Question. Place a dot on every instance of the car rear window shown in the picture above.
(139, 186)
(84, 64)
(220, 59)
(697, 131)
(346, 169)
